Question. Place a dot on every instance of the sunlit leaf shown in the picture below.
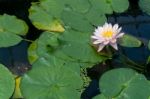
(32, 54)
(44, 20)
(7, 83)
(17, 93)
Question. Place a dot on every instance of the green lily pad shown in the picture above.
(81, 6)
(32, 54)
(76, 21)
(119, 5)
(43, 20)
(125, 84)
(101, 7)
(50, 81)
(10, 29)
(129, 41)
(53, 7)
(144, 5)
(95, 17)
(7, 83)
(77, 46)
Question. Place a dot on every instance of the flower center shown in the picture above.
(107, 34)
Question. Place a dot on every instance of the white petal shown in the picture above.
(97, 42)
(113, 40)
(106, 42)
(101, 46)
(109, 27)
(94, 37)
(119, 30)
(115, 27)
(114, 45)
(119, 35)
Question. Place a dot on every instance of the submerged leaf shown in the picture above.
(144, 5)
(129, 41)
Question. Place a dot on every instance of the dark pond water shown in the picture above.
(133, 22)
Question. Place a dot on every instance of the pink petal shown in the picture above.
(101, 46)
(114, 45)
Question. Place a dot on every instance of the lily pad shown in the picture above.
(77, 46)
(43, 20)
(48, 81)
(7, 83)
(125, 84)
(119, 5)
(101, 6)
(144, 5)
(81, 6)
(10, 29)
(95, 17)
(129, 41)
(76, 21)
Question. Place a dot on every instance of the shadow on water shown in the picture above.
(133, 22)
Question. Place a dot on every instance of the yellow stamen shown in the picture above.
(107, 34)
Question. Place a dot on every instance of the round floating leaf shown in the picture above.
(81, 6)
(129, 41)
(76, 21)
(54, 7)
(7, 83)
(95, 18)
(44, 20)
(10, 29)
(101, 7)
(144, 5)
(78, 44)
(13, 25)
(119, 5)
(124, 83)
(45, 81)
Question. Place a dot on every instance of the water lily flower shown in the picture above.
(106, 35)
